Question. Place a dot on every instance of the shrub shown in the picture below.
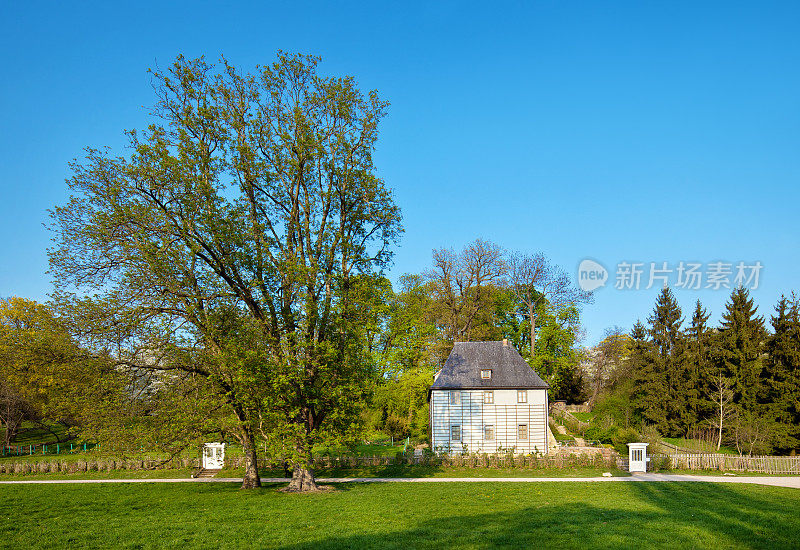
(624, 436)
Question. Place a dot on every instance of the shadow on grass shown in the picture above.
(674, 515)
(391, 470)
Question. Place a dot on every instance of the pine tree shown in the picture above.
(739, 346)
(782, 372)
(649, 382)
(670, 365)
(699, 369)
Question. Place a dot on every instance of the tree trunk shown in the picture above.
(302, 475)
(251, 478)
(302, 480)
(532, 319)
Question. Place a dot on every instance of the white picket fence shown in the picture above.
(732, 463)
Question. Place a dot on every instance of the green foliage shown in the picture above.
(782, 372)
(44, 374)
(228, 246)
(738, 349)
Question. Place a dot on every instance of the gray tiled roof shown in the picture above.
(464, 364)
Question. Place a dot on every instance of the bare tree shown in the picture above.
(537, 284)
(753, 433)
(13, 411)
(463, 282)
(607, 356)
(722, 394)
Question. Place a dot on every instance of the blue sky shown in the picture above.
(635, 131)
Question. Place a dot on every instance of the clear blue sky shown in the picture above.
(636, 131)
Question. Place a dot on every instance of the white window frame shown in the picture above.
(520, 427)
(486, 374)
(455, 429)
(522, 396)
(488, 397)
(488, 429)
(455, 397)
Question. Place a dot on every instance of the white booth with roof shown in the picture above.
(637, 457)
(213, 456)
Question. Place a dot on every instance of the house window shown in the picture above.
(488, 433)
(486, 374)
(522, 396)
(522, 432)
(455, 397)
(455, 433)
(488, 397)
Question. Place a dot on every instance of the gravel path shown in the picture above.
(776, 481)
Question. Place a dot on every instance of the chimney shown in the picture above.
(505, 342)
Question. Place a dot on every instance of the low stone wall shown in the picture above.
(605, 452)
(582, 408)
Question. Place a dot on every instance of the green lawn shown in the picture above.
(392, 515)
(33, 434)
(584, 417)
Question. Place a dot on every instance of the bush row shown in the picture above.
(98, 465)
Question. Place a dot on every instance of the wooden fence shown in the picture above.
(731, 463)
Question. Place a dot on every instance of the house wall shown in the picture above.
(505, 414)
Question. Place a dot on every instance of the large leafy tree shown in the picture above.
(557, 356)
(227, 245)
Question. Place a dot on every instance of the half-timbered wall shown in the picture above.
(505, 416)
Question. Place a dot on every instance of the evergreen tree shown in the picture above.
(649, 382)
(782, 372)
(670, 363)
(699, 368)
(739, 346)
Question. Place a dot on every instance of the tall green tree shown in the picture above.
(226, 245)
(667, 372)
(739, 347)
(557, 357)
(699, 375)
(782, 371)
(649, 380)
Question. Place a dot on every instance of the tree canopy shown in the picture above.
(228, 244)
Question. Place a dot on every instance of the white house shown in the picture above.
(488, 399)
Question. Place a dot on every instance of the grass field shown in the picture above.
(447, 515)
(699, 446)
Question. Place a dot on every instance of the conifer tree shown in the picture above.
(699, 368)
(649, 384)
(782, 372)
(739, 347)
(669, 363)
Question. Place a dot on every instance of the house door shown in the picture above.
(213, 457)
